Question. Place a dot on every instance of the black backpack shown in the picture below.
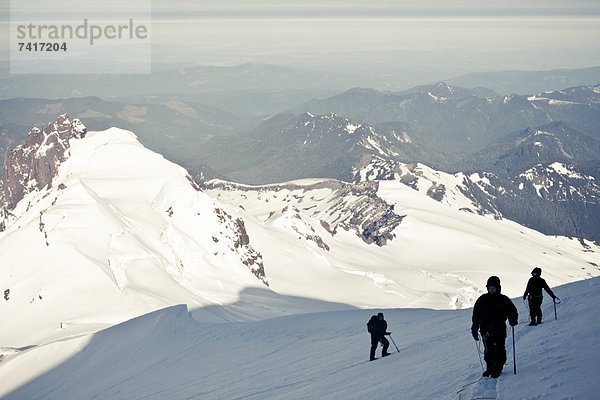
(370, 324)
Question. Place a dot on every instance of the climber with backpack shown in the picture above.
(377, 327)
(533, 293)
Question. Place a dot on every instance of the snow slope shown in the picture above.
(169, 355)
(123, 232)
(440, 256)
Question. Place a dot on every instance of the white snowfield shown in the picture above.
(123, 232)
(169, 355)
(440, 257)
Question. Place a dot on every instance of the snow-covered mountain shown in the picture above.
(119, 231)
(578, 104)
(33, 165)
(554, 197)
(556, 142)
(174, 125)
(286, 147)
(450, 119)
(545, 178)
(507, 143)
(115, 232)
(526, 82)
(167, 355)
(433, 254)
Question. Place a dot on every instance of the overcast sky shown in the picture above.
(384, 34)
(385, 8)
(380, 35)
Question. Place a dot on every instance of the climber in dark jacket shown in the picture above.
(533, 293)
(490, 313)
(377, 327)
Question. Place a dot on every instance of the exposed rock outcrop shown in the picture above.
(240, 243)
(33, 165)
(334, 204)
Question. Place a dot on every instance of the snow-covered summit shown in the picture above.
(118, 232)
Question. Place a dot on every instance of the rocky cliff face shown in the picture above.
(32, 165)
(240, 243)
(335, 206)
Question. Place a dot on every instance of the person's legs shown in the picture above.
(532, 311)
(495, 352)
(386, 344)
(536, 309)
(374, 342)
(499, 339)
(488, 353)
(539, 318)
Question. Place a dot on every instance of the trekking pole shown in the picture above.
(514, 355)
(390, 335)
(555, 302)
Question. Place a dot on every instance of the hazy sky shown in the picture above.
(385, 34)
(378, 35)
(386, 8)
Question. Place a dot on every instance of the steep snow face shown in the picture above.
(168, 355)
(121, 231)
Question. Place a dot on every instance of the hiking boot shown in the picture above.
(532, 323)
(373, 359)
(385, 354)
(495, 374)
(486, 374)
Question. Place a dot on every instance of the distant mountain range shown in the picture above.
(457, 120)
(260, 89)
(174, 126)
(555, 142)
(515, 145)
(169, 80)
(449, 128)
(524, 82)
(287, 147)
(247, 89)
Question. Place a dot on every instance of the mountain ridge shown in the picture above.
(124, 231)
